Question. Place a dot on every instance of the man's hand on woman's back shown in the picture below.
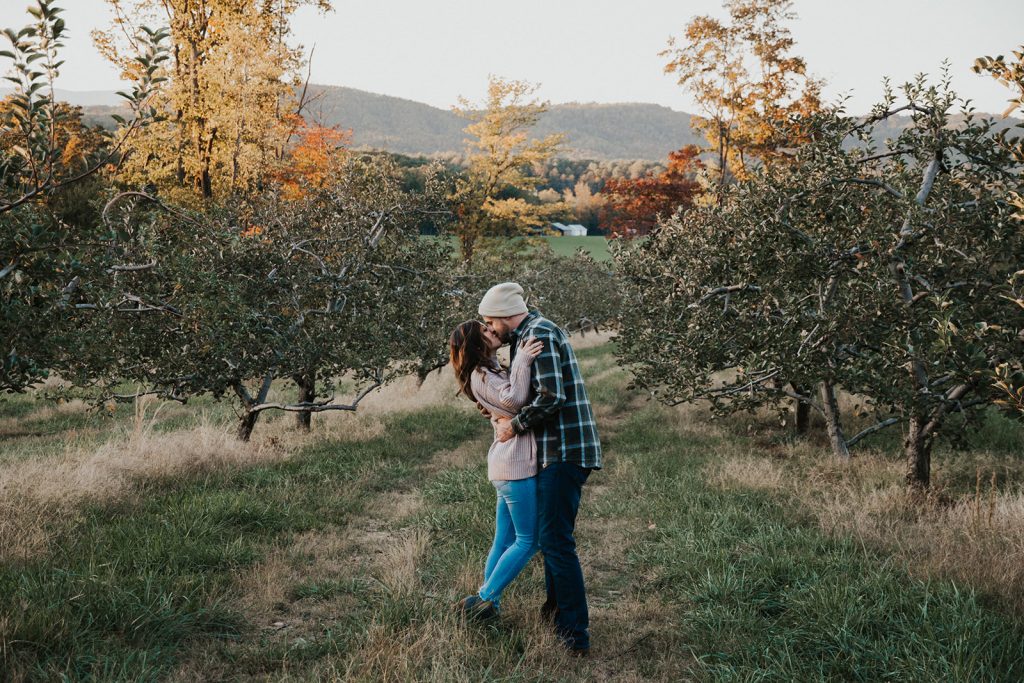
(503, 429)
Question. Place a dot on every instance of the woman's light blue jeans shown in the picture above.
(515, 535)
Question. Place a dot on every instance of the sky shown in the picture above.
(597, 50)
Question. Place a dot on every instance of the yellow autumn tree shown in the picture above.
(498, 193)
(227, 108)
(745, 80)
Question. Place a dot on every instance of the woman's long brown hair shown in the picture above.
(467, 349)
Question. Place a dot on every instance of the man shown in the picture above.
(568, 449)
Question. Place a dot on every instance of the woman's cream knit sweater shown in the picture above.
(503, 394)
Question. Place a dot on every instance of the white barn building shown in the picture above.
(572, 230)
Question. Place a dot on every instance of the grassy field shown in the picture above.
(596, 246)
(151, 546)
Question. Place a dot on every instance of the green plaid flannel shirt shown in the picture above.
(560, 415)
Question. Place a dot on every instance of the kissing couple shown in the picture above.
(545, 446)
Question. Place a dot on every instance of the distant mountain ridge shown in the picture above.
(85, 98)
(593, 131)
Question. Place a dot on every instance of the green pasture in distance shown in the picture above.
(596, 246)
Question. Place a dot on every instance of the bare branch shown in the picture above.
(170, 396)
(753, 384)
(810, 335)
(303, 101)
(727, 289)
(116, 198)
(875, 157)
(874, 428)
(950, 403)
(918, 297)
(758, 382)
(323, 265)
(803, 399)
(9, 268)
(868, 181)
(317, 406)
(378, 230)
(881, 116)
(131, 268)
(141, 306)
(1011, 175)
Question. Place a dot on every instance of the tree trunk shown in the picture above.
(467, 245)
(803, 411)
(917, 450)
(830, 407)
(246, 424)
(307, 394)
(249, 417)
(179, 126)
(205, 177)
(235, 169)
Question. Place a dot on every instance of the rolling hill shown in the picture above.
(593, 131)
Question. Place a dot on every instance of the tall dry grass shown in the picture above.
(976, 538)
(34, 491)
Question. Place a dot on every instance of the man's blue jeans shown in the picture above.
(515, 535)
(560, 487)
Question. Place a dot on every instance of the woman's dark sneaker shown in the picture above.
(476, 608)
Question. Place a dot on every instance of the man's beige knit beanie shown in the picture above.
(503, 301)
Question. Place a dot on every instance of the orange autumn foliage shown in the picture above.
(252, 231)
(313, 160)
(633, 206)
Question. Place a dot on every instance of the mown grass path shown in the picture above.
(342, 563)
(127, 587)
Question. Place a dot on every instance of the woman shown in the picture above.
(511, 465)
